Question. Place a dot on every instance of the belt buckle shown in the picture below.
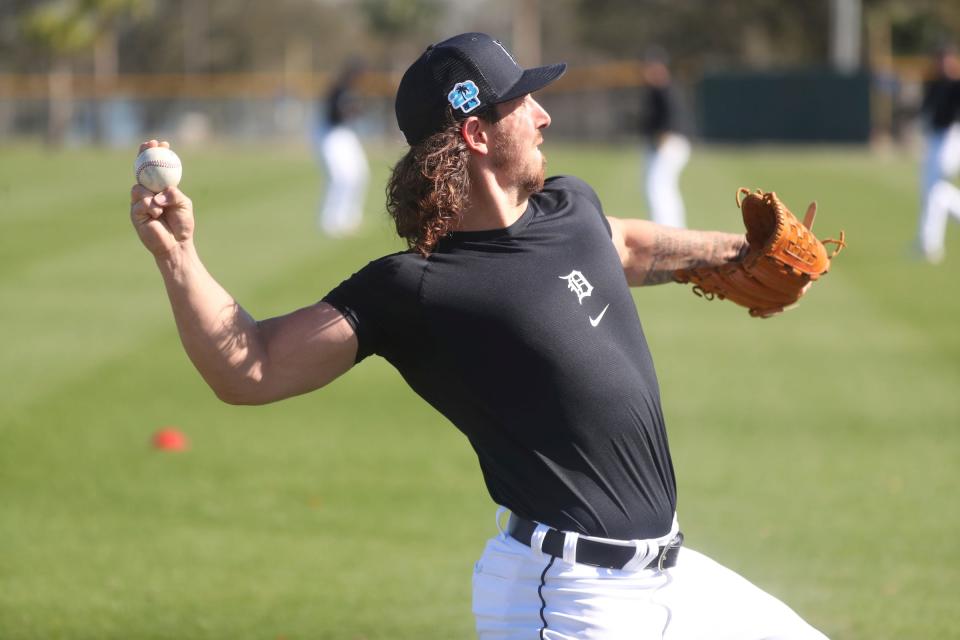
(676, 542)
(662, 558)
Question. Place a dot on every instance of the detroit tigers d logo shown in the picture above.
(577, 283)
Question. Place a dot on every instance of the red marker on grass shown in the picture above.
(169, 439)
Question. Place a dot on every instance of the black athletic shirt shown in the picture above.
(661, 112)
(527, 338)
(941, 103)
(342, 105)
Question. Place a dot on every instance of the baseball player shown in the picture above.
(668, 149)
(511, 314)
(341, 157)
(940, 199)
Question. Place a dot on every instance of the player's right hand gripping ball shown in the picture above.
(158, 168)
(782, 259)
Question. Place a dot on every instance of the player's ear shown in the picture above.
(475, 135)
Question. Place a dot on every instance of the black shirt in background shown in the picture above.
(941, 103)
(661, 112)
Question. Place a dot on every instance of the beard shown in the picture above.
(532, 181)
(528, 175)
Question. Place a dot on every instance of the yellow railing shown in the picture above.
(607, 75)
(266, 85)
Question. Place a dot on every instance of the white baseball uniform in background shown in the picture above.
(346, 170)
(940, 198)
(665, 162)
(664, 124)
(341, 156)
(940, 116)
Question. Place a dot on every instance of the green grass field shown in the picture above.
(817, 453)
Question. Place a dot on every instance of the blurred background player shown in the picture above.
(668, 149)
(939, 199)
(341, 156)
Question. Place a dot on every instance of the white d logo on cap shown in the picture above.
(504, 49)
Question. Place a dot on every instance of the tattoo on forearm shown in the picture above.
(660, 266)
(682, 249)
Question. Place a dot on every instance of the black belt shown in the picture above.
(593, 552)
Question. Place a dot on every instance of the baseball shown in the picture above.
(157, 168)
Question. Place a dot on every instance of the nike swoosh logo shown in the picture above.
(595, 321)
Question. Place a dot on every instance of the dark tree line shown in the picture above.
(252, 35)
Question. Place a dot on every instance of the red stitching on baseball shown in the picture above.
(155, 163)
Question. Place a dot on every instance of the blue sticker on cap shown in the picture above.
(463, 96)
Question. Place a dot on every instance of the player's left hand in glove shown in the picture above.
(782, 259)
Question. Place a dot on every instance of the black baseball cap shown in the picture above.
(462, 76)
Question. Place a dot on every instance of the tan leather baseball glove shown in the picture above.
(782, 259)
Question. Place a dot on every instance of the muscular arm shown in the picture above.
(250, 362)
(650, 252)
(243, 361)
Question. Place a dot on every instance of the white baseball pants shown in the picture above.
(942, 156)
(939, 198)
(521, 594)
(942, 202)
(664, 165)
(347, 172)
